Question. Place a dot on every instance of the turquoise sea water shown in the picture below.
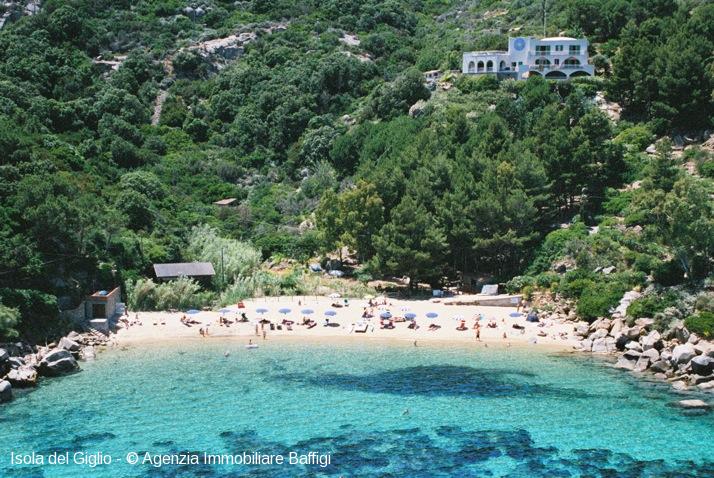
(379, 411)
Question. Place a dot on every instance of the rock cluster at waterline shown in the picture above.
(677, 355)
(21, 365)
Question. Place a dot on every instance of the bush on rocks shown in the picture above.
(701, 324)
(597, 299)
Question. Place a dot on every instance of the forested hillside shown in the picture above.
(122, 122)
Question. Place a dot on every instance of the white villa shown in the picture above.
(556, 58)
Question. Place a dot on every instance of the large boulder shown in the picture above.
(652, 340)
(652, 354)
(625, 363)
(645, 323)
(693, 404)
(642, 364)
(599, 334)
(616, 328)
(5, 391)
(603, 345)
(22, 377)
(633, 345)
(633, 333)
(702, 365)
(693, 339)
(4, 356)
(586, 345)
(632, 354)
(16, 362)
(660, 366)
(57, 362)
(581, 329)
(683, 353)
(68, 344)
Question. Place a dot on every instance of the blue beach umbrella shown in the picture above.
(386, 315)
(432, 315)
(224, 310)
(330, 313)
(192, 311)
(261, 310)
(410, 315)
(307, 311)
(515, 314)
(284, 311)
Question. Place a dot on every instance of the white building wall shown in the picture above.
(550, 57)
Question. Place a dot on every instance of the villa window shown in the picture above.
(558, 47)
(574, 49)
(489, 65)
(513, 65)
(542, 49)
(479, 68)
(472, 67)
(557, 61)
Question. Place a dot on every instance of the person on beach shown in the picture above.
(478, 331)
(415, 344)
(264, 334)
(200, 331)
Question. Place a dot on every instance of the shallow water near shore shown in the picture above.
(397, 410)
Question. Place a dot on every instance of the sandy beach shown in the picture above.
(347, 322)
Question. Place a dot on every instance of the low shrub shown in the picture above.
(546, 280)
(597, 299)
(701, 324)
(517, 284)
(707, 169)
(650, 305)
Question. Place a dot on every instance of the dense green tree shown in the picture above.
(412, 243)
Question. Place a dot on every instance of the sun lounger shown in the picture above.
(311, 325)
(361, 328)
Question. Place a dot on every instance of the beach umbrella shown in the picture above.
(307, 311)
(330, 313)
(284, 311)
(386, 315)
(334, 295)
(192, 311)
(368, 297)
(515, 314)
(261, 310)
(410, 315)
(432, 315)
(224, 310)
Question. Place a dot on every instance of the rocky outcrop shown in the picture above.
(5, 391)
(22, 377)
(682, 354)
(57, 362)
(702, 365)
(68, 344)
